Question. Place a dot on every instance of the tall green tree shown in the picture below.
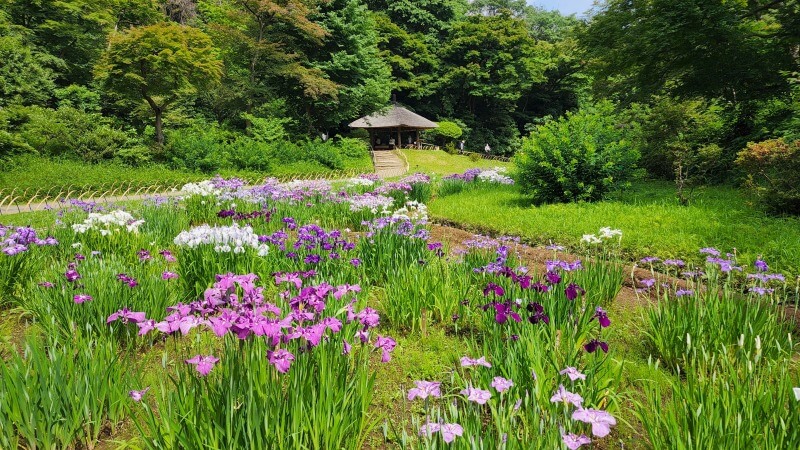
(26, 74)
(159, 64)
(487, 65)
(264, 45)
(429, 17)
(76, 31)
(349, 57)
(738, 50)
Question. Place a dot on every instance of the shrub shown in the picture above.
(474, 157)
(197, 147)
(65, 131)
(773, 173)
(447, 132)
(579, 157)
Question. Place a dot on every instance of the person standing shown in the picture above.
(487, 149)
(461, 146)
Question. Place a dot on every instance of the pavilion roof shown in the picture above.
(394, 117)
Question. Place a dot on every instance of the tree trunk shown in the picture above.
(159, 128)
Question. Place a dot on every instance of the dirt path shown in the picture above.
(536, 257)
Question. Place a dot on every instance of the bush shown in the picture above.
(197, 147)
(446, 132)
(773, 173)
(579, 157)
(474, 157)
(65, 131)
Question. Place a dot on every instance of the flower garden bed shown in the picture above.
(269, 316)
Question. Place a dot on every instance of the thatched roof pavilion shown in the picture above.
(388, 128)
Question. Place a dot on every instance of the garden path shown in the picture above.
(389, 163)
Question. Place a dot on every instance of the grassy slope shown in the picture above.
(647, 214)
(442, 163)
(33, 173)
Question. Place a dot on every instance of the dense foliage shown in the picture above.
(773, 173)
(580, 157)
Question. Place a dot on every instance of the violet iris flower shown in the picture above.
(478, 396)
(449, 431)
(492, 287)
(167, 275)
(137, 396)
(80, 298)
(573, 374)
(281, 359)
(553, 277)
(387, 345)
(761, 266)
(469, 362)
(425, 389)
(72, 275)
(203, 364)
(502, 384)
(601, 315)
(574, 441)
(573, 290)
(564, 396)
(594, 344)
(125, 315)
(503, 311)
(601, 421)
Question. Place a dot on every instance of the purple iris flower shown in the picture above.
(168, 257)
(72, 275)
(355, 262)
(564, 396)
(491, 287)
(601, 421)
(449, 431)
(601, 315)
(167, 275)
(501, 384)
(573, 374)
(574, 441)
(46, 284)
(553, 277)
(80, 298)
(125, 315)
(537, 313)
(572, 291)
(682, 292)
(594, 344)
(346, 347)
(503, 311)
(674, 262)
(710, 251)
(478, 396)
(469, 362)
(144, 255)
(312, 259)
(649, 260)
(203, 364)
(425, 389)
(761, 266)
(137, 396)
(387, 345)
(281, 359)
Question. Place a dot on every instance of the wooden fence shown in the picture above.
(17, 200)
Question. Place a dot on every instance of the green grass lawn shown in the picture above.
(40, 173)
(442, 163)
(651, 221)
